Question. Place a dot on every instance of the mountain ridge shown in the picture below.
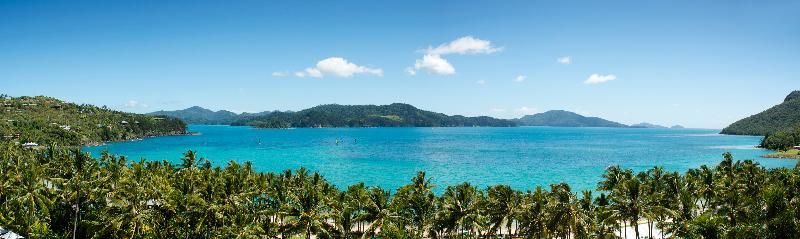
(563, 118)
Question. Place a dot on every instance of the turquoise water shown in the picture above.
(522, 157)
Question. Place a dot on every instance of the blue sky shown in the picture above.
(696, 63)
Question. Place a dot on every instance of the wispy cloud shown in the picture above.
(524, 110)
(520, 78)
(135, 104)
(480, 82)
(339, 67)
(280, 73)
(564, 60)
(433, 63)
(598, 78)
(464, 45)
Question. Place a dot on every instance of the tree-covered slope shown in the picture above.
(394, 115)
(44, 120)
(200, 115)
(562, 118)
(780, 117)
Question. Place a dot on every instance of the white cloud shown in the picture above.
(464, 45)
(337, 66)
(280, 73)
(525, 110)
(434, 64)
(480, 82)
(598, 78)
(520, 78)
(135, 104)
(411, 71)
(564, 60)
(310, 72)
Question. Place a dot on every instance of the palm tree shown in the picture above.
(501, 206)
(533, 217)
(378, 211)
(459, 209)
(308, 214)
(30, 200)
(79, 184)
(562, 210)
(415, 203)
(605, 218)
(630, 201)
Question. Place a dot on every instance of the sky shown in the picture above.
(700, 64)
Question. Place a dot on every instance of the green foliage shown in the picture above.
(61, 193)
(782, 140)
(48, 121)
(394, 115)
(778, 118)
(561, 118)
(199, 115)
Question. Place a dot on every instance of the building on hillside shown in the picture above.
(797, 147)
(30, 145)
(7, 234)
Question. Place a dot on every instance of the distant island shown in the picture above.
(200, 115)
(648, 125)
(779, 124)
(41, 120)
(393, 115)
(563, 118)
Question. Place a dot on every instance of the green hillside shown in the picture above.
(780, 117)
(200, 115)
(44, 120)
(394, 115)
(562, 118)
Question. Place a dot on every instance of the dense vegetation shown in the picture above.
(57, 193)
(46, 120)
(778, 118)
(394, 115)
(200, 115)
(782, 140)
(561, 118)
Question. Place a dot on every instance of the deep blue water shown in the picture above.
(522, 157)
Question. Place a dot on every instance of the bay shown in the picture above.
(522, 157)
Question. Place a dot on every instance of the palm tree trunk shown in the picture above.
(75, 222)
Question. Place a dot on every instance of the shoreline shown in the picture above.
(101, 143)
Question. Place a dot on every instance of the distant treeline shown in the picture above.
(58, 193)
(45, 121)
(393, 115)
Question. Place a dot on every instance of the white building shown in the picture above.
(6, 234)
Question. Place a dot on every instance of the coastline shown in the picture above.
(788, 154)
(101, 143)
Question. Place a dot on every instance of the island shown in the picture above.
(41, 120)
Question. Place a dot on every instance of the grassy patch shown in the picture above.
(792, 153)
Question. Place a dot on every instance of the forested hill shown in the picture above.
(778, 118)
(44, 120)
(200, 115)
(393, 115)
(562, 118)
